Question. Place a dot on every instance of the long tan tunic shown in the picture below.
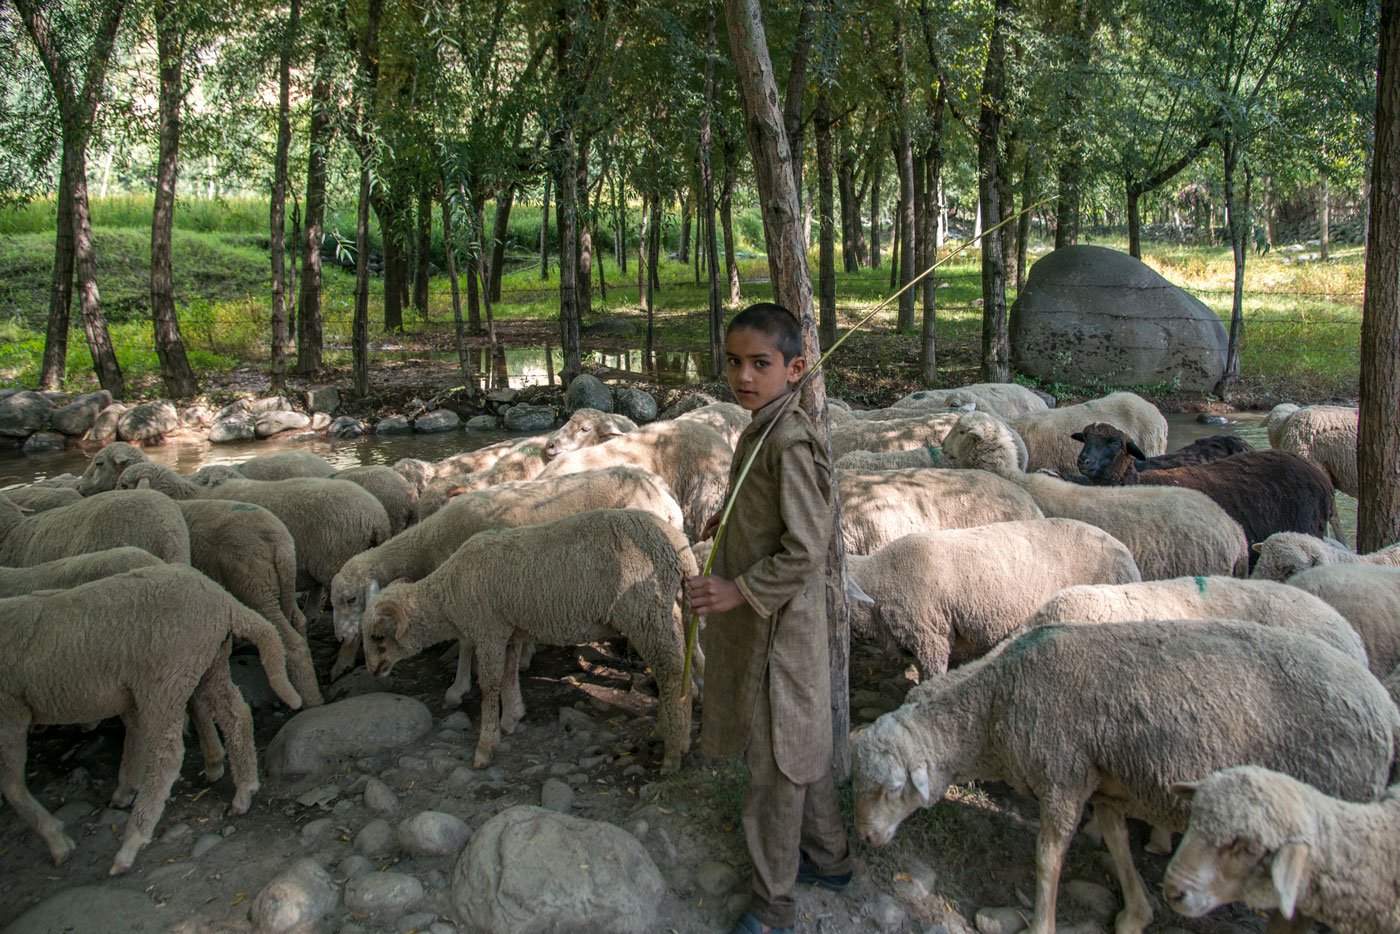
(774, 548)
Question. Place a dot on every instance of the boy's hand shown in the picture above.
(711, 524)
(711, 594)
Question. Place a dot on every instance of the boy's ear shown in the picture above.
(797, 367)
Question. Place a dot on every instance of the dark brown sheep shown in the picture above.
(1100, 464)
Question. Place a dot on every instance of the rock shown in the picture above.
(320, 421)
(636, 404)
(268, 424)
(483, 423)
(412, 924)
(24, 413)
(357, 683)
(440, 420)
(319, 797)
(375, 838)
(73, 811)
(379, 798)
(204, 844)
(93, 909)
(251, 680)
(502, 395)
(296, 900)
(177, 834)
(689, 404)
(1001, 920)
(888, 913)
(343, 427)
(239, 426)
(557, 796)
(316, 832)
(715, 878)
(196, 416)
(77, 416)
(1206, 418)
(529, 418)
(236, 407)
(393, 425)
(457, 720)
(1099, 901)
(269, 404)
(45, 442)
(322, 399)
(1089, 314)
(587, 392)
(383, 893)
(317, 739)
(433, 833)
(529, 869)
(148, 421)
(104, 427)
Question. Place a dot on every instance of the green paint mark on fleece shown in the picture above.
(1201, 584)
(935, 454)
(243, 507)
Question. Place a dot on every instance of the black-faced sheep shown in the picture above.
(1114, 716)
(136, 517)
(1284, 554)
(627, 581)
(1047, 434)
(1102, 443)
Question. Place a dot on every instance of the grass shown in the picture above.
(1302, 317)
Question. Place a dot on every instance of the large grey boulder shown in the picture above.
(77, 416)
(529, 869)
(587, 392)
(1089, 314)
(269, 423)
(529, 418)
(44, 442)
(636, 404)
(236, 426)
(323, 399)
(295, 901)
(24, 413)
(343, 427)
(104, 427)
(316, 740)
(148, 421)
(437, 420)
(393, 425)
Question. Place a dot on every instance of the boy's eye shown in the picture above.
(760, 364)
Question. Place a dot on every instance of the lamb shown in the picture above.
(1284, 554)
(880, 506)
(330, 520)
(1369, 597)
(165, 636)
(1047, 434)
(286, 465)
(417, 472)
(398, 497)
(627, 581)
(63, 573)
(893, 435)
(690, 457)
(420, 550)
(948, 597)
(1278, 417)
(1114, 715)
(107, 465)
(1263, 602)
(1005, 400)
(1171, 532)
(1273, 842)
(1104, 446)
(892, 414)
(728, 418)
(35, 498)
(929, 456)
(136, 517)
(524, 461)
(1325, 435)
(481, 458)
(585, 428)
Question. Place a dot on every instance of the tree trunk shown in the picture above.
(422, 252)
(897, 254)
(726, 219)
(566, 182)
(544, 230)
(497, 373)
(792, 287)
(928, 334)
(850, 222)
(1023, 222)
(826, 236)
(684, 251)
(643, 245)
(392, 232)
(584, 235)
(1235, 212)
(996, 365)
(61, 290)
(175, 371)
(359, 338)
(104, 357)
(1070, 178)
(658, 220)
(449, 249)
(279, 199)
(292, 311)
(1324, 219)
(653, 259)
(309, 323)
(1134, 220)
(875, 213)
(1378, 444)
(500, 229)
(707, 204)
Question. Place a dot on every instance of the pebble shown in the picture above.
(343, 807)
(178, 833)
(888, 913)
(558, 769)
(113, 816)
(375, 838)
(369, 764)
(461, 777)
(557, 796)
(228, 831)
(383, 893)
(1207, 419)
(576, 778)
(296, 900)
(632, 771)
(639, 829)
(74, 811)
(413, 764)
(417, 921)
(319, 797)
(450, 736)
(1099, 901)
(574, 720)
(457, 721)
(352, 866)
(433, 833)
(494, 774)
(314, 832)
(442, 927)
(532, 770)
(204, 844)
(379, 797)
(589, 762)
(1001, 920)
(715, 878)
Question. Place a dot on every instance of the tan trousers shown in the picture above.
(781, 819)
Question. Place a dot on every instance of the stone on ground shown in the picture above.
(77, 416)
(93, 909)
(439, 420)
(636, 404)
(587, 392)
(529, 418)
(24, 413)
(316, 740)
(294, 901)
(433, 833)
(148, 421)
(384, 894)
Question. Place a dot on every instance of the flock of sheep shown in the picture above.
(991, 538)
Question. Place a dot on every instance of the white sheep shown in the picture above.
(880, 506)
(1325, 435)
(948, 597)
(928, 456)
(1114, 716)
(164, 634)
(625, 580)
(398, 497)
(1047, 434)
(481, 458)
(893, 414)
(728, 418)
(136, 517)
(585, 428)
(1007, 400)
(107, 465)
(1369, 597)
(62, 573)
(417, 472)
(286, 465)
(690, 457)
(892, 435)
(1277, 418)
(423, 548)
(1171, 532)
(1276, 843)
(34, 498)
(1284, 554)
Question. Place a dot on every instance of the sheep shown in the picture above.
(62, 573)
(690, 457)
(35, 498)
(1047, 434)
(1277, 418)
(948, 597)
(420, 550)
(1369, 597)
(1284, 554)
(627, 581)
(481, 458)
(1264, 602)
(1114, 715)
(1171, 532)
(286, 465)
(398, 497)
(164, 634)
(330, 520)
(417, 472)
(929, 456)
(526, 460)
(893, 435)
(107, 465)
(1006, 400)
(136, 517)
(728, 418)
(892, 414)
(1104, 446)
(585, 428)
(1273, 842)
(1325, 435)
(880, 506)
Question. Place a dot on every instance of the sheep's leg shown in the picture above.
(1137, 908)
(1160, 842)
(512, 704)
(167, 747)
(235, 720)
(13, 753)
(527, 653)
(212, 748)
(133, 763)
(315, 600)
(345, 660)
(490, 666)
(300, 670)
(462, 683)
(1058, 821)
(663, 648)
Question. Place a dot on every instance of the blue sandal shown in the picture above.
(806, 875)
(749, 924)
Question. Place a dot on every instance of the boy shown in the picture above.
(767, 683)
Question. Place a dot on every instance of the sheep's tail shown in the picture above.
(251, 626)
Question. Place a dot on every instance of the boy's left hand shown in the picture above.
(712, 594)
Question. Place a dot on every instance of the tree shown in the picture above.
(278, 210)
(996, 364)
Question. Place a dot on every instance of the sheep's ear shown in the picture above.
(398, 614)
(1136, 451)
(854, 591)
(144, 483)
(373, 589)
(1078, 436)
(1257, 548)
(1186, 790)
(919, 779)
(1287, 875)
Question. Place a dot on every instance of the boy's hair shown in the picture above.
(773, 320)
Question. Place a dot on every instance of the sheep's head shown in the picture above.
(107, 466)
(1284, 554)
(981, 442)
(385, 628)
(1108, 456)
(352, 588)
(147, 475)
(887, 788)
(215, 474)
(586, 428)
(1246, 842)
(417, 472)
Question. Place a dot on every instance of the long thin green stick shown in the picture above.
(693, 629)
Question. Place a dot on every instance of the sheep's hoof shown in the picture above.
(122, 797)
(451, 701)
(123, 862)
(62, 849)
(481, 760)
(242, 801)
(213, 772)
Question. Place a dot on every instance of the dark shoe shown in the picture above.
(748, 924)
(806, 875)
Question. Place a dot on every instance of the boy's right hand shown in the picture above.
(711, 524)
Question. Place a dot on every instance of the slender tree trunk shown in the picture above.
(1023, 222)
(309, 323)
(475, 208)
(850, 224)
(921, 244)
(1134, 220)
(658, 220)
(875, 213)
(726, 218)
(422, 252)
(583, 233)
(449, 249)
(567, 184)
(175, 371)
(293, 311)
(707, 204)
(1237, 220)
(61, 290)
(619, 202)
(359, 339)
(684, 251)
(544, 230)
(394, 232)
(653, 260)
(996, 365)
(499, 375)
(897, 254)
(1378, 445)
(104, 356)
(500, 229)
(279, 199)
(826, 236)
(1324, 219)
(643, 244)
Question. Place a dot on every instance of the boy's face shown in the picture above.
(756, 371)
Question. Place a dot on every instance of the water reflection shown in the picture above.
(518, 367)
